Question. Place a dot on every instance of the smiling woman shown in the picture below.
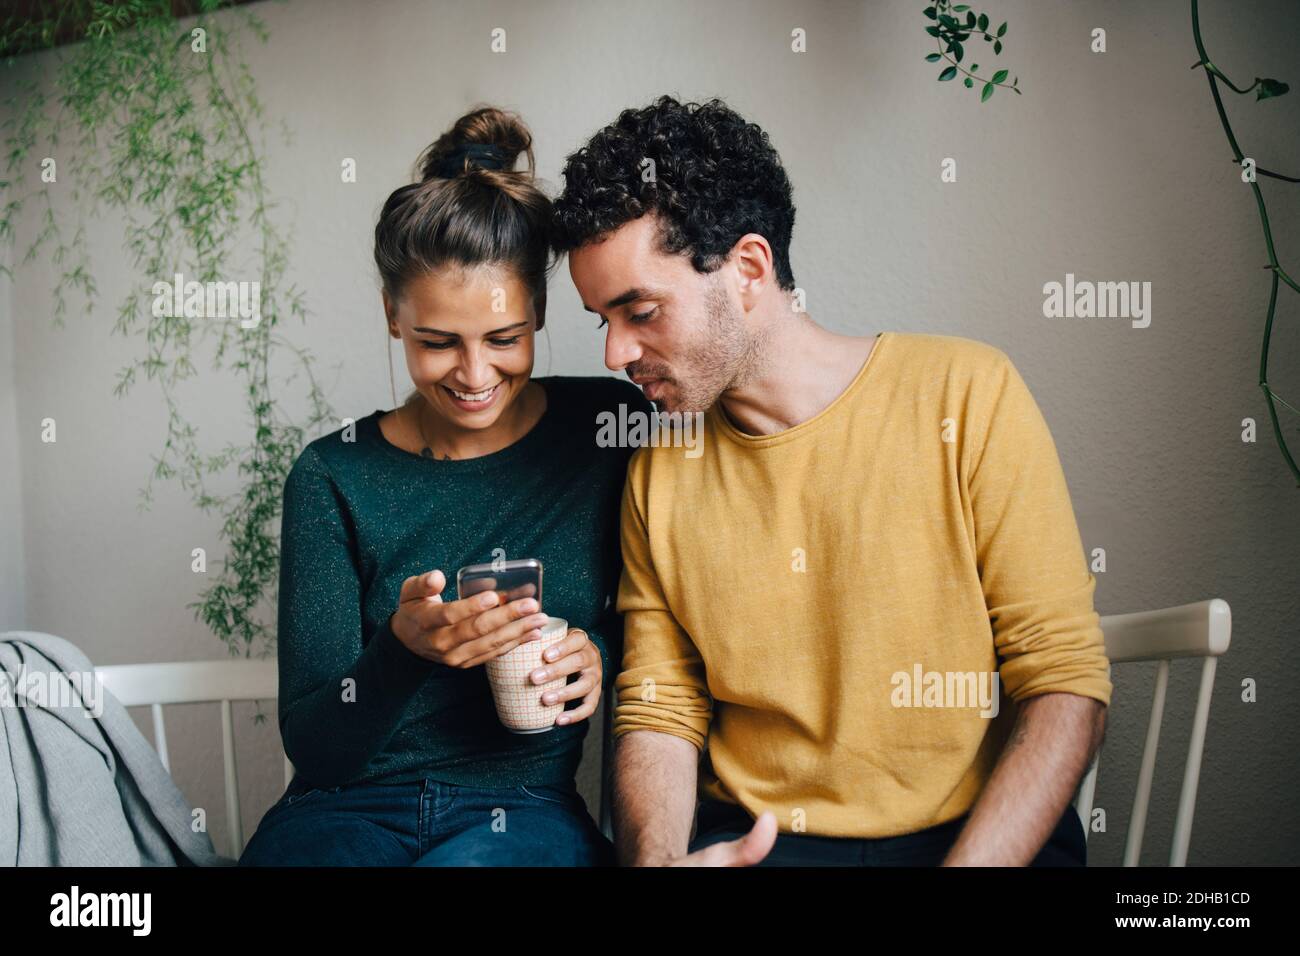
(468, 334)
(385, 708)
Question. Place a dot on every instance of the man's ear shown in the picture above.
(752, 255)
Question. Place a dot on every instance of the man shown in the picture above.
(866, 603)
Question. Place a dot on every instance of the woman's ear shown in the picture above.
(390, 313)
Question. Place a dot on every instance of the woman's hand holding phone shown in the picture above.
(463, 633)
(573, 655)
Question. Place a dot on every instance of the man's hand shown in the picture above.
(655, 778)
(747, 851)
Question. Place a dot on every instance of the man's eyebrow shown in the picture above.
(631, 295)
(429, 331)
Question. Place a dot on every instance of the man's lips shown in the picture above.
(650, 386)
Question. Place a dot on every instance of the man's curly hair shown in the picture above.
(716, 178)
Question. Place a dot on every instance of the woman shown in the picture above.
(385, 709)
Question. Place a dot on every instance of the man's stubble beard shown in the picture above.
(725, 355)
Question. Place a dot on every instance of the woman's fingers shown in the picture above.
(571, 691)
(485, 623)
(572, 664)
(573, 642)
(573, 654)
(434, 614)
(495, 652)
(590, 699)
(475, 650)
(422, 586)
(470, 618)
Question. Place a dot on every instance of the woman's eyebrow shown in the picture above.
(429, 331)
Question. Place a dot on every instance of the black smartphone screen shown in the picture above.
(511, 579)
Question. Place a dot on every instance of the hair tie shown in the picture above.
(484, 155)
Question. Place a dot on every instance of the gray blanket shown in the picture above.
(79, 784)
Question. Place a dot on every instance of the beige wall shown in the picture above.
(1111, 167)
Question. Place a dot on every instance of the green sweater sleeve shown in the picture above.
(341, 696)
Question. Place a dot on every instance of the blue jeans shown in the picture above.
(718, 821)
(427, 823)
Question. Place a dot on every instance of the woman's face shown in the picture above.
(468, 336)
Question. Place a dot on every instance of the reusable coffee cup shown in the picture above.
(518, 699)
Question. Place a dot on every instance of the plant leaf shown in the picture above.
(1000, 75)
(948, 74)
(932, 57)
(988, 91)
(997, 46)
(1270, 87)
(933, 31)
(970, 19)
(930, 12)
(983, 22)
(969, 82)
(957, 51)
(1002, 29)
(961, 8)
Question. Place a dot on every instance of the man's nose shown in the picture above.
(621, 349)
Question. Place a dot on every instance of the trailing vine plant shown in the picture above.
(1265, 88)
(162, 124)
(950, 33)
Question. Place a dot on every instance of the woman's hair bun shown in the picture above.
(470, 207)
(486, 139)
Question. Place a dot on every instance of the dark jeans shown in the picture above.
(719, 821)
(427, 823)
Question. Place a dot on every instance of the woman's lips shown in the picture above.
(464, 405)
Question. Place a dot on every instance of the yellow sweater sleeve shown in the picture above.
(662, 685)
(1029, 555)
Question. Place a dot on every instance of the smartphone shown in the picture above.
(513, 580)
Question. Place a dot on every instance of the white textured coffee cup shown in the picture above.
(518, 699)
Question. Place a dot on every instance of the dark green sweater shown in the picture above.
(361, 515)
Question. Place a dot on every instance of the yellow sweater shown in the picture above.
(815, 602)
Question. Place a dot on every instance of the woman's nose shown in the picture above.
(474, 368)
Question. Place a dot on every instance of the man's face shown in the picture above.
(676, 332)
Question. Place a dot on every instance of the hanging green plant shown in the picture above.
(1265, 88)
(162, 131)
(953, 26)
